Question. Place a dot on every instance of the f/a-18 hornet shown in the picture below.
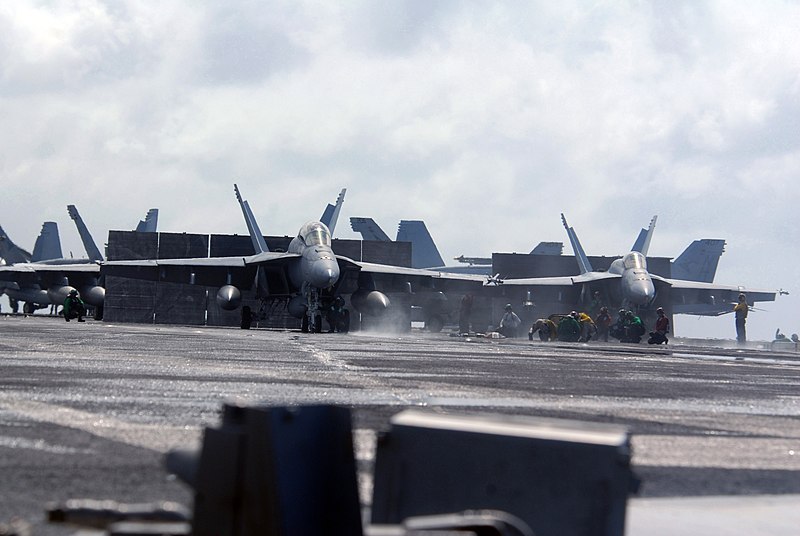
(628, 283)
(307, 277)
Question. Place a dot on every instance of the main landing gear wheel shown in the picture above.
(434, 324)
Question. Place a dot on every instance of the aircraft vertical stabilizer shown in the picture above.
(150, 222)
(369, 229)
(86, 237)
(583, 261)
(10, 253)
(48, 244)
(424, 253)
(259, 244)
(548, 248)
(699, 261)
(642, 243)
(331, 214)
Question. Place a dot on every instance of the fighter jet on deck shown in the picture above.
(636, 287)
(47, 246)
(629, 284)
(306, 278)
(49, 277)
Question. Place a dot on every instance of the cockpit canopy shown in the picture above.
(634, 260)
(315, 233)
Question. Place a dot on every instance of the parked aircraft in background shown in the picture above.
(699, 261)
(49, 277)
(10, 252)
(542, 248)
(425, 254)
(150, 222)
(306, 278)
(47, 246)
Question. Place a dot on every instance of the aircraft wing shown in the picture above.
(242, 272)
(709, 299)
(45, 275)
(565, 281)
(33, 267)
(388, 278)
(210, 271)
(418, 272)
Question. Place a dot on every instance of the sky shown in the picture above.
(485, 119)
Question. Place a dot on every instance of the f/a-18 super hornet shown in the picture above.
(49, 277)
(698, 262)
(628, 283)
(307, 278)
(634, 283)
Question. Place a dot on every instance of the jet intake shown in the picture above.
(372, 302)
(229, 297)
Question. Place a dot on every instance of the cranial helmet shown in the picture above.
(508, 307)
(660, 310)
(73, 292)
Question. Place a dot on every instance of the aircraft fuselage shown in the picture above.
(635, 281)
(317, 266)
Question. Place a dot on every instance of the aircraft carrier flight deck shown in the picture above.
(89, 410)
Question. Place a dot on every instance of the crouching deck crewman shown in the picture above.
(74, 307)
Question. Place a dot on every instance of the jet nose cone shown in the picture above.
(324, 274)
(643, 292)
